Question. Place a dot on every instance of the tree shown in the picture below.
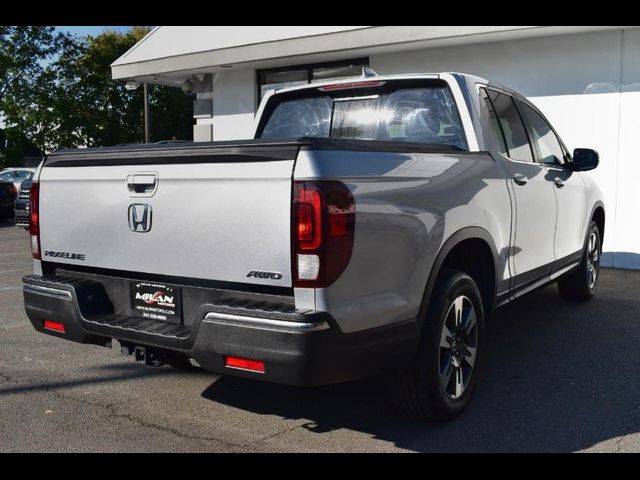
(72, 101)
(171, 113)
(35, 106)
(106, 111)
(22, 51)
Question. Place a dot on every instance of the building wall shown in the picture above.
(587, 84)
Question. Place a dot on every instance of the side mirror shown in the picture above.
(584, 159)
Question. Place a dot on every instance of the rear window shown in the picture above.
(392, 113)
(15, 175)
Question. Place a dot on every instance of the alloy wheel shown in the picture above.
(458, 347)
(593, 260)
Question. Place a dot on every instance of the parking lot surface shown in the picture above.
(556, 377)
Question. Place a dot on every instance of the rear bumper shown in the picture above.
(297, 348)
(21, 214)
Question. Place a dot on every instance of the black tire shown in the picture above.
(582, 284)
(418, 391)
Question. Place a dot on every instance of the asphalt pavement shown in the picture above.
(556, 377)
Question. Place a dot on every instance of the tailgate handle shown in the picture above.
(142, 184)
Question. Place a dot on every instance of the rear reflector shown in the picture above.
(55, 326)
(244, 364)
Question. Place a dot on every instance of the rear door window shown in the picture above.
(512, 127)
(496, 129)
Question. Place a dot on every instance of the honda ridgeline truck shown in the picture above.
(371, 227)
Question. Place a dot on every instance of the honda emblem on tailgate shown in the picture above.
(140, 217)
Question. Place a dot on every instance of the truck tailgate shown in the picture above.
(216, 214)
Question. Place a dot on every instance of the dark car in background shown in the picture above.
(21, 208)
(8, 192)
(16, 175)
(11, 180)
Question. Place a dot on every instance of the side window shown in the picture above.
(549, 148)
(515, 135)
(495, 126)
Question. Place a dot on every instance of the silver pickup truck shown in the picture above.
(370, 228)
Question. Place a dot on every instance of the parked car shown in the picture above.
(8, 193)
(371, 227)
(21, 208)
(16, 175)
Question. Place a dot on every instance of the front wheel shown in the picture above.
(581, 285)
(440, 382)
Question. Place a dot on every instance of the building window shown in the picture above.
(304, 74)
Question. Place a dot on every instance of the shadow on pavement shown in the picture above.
(557, 377)
(110, 373)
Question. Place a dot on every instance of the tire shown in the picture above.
(582, 284)
(421, 391)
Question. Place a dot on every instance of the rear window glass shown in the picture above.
(15, 175)
(418, 115)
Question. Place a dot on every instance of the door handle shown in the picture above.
(520, 179)
(142, 184)
(559, 183)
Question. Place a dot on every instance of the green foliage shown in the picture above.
(22, 49)
(72, 100)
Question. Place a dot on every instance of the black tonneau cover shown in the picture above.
(238, 150)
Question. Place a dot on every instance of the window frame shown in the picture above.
(309, 67)
(499, 140)
(532, 148)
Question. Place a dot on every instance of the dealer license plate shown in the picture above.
(156, 301)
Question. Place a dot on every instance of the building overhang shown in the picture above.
(169, 55)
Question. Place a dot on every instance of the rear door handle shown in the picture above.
(559, 183)
(520, 179)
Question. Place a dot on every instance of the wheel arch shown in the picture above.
(457, 240)
(598, 215)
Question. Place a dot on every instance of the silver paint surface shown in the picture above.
(210, 221)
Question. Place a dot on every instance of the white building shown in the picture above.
(585, 78)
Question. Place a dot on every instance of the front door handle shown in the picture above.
(520, 179)
(559, 183)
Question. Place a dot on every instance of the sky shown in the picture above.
(91, 30)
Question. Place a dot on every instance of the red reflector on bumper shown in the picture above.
(244, 364)
(55, 326)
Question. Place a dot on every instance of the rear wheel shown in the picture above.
(440, 382)
(582, 284)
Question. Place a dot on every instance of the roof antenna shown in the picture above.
(368, 72)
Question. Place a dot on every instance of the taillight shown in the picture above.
(12, 190)
(323, 231)
(34, 219)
